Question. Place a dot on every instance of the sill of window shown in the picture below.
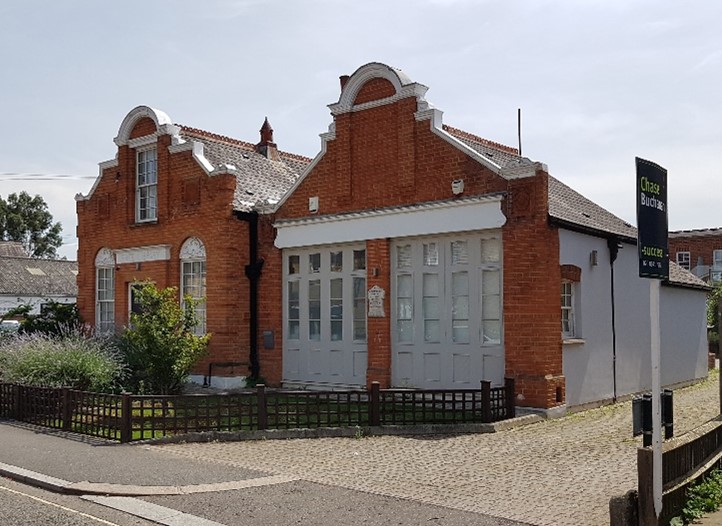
(144, 223)
(573, 341)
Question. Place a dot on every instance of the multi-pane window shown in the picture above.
(430, 307)
(716, 271)
(490, 307)
(717, 259)
(294, 310)
(193, 279)
(314, 310)
(146, 203)
(567, 296)
(194, 285)
(448, 290)
(105, 299)
(683, 259)
(359, 309)
(326, 295)
(491, 287)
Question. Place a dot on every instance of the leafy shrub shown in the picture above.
(56, 319)
(89, 364)
(160, 345)
(702, 498)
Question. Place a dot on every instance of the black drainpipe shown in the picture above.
(253, 273)
(613, 244)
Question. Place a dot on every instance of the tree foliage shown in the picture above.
(26, 219)
(55, 319)
(713, 310)
(160, 345)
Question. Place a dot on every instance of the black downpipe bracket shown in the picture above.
(253, 273)
(613, 244)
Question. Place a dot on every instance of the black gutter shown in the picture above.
(253, 273)
(613, 244)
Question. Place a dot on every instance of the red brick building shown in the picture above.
(406, 252)
(699, 251)
(179, 206)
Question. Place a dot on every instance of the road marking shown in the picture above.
(98, 519)
(150, 511)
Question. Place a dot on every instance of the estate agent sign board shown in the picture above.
(652, 220)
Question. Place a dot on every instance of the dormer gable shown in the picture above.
(375, 84)
(143, 125)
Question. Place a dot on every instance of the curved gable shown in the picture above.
(143, 121)
(376, 84)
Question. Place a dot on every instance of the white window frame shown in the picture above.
(431, 256)
(568, 307)
(352, 303)
(684, 260)
(715, 271)
(717, 259)
(146, 185)
(105, 299)
(193, 266)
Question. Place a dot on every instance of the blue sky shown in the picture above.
(598, 81)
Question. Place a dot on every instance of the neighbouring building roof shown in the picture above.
(260, 180)
(23, 276)
(12, 249)
(697, 232)
(683, 277)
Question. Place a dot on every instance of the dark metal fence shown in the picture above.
(127, 417)
(683, 464)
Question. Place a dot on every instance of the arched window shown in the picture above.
(105, 290)
(193, 278)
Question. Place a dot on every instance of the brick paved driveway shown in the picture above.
(555, 472)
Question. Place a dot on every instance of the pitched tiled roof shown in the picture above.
(683, 277)
(497, 153)
(569, 206)
(259, 179)
(697, 232)
(38, 277)
(12, 249)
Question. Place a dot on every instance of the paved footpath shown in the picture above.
(555, 472)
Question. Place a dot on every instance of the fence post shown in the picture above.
(126, 418)
(485, 401)
(17, 402)
(647, 516)
(509, 389)
(66, 409)
(262, 407)
(375, 404)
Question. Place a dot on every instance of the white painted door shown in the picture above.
(447, 305)
(324, 300)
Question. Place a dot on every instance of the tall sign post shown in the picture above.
(652, 244)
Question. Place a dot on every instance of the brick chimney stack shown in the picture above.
(267, 147)
(344, 80)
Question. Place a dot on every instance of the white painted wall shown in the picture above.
(588, 365)
(10, 302)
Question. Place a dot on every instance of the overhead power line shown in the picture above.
(20, 176)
